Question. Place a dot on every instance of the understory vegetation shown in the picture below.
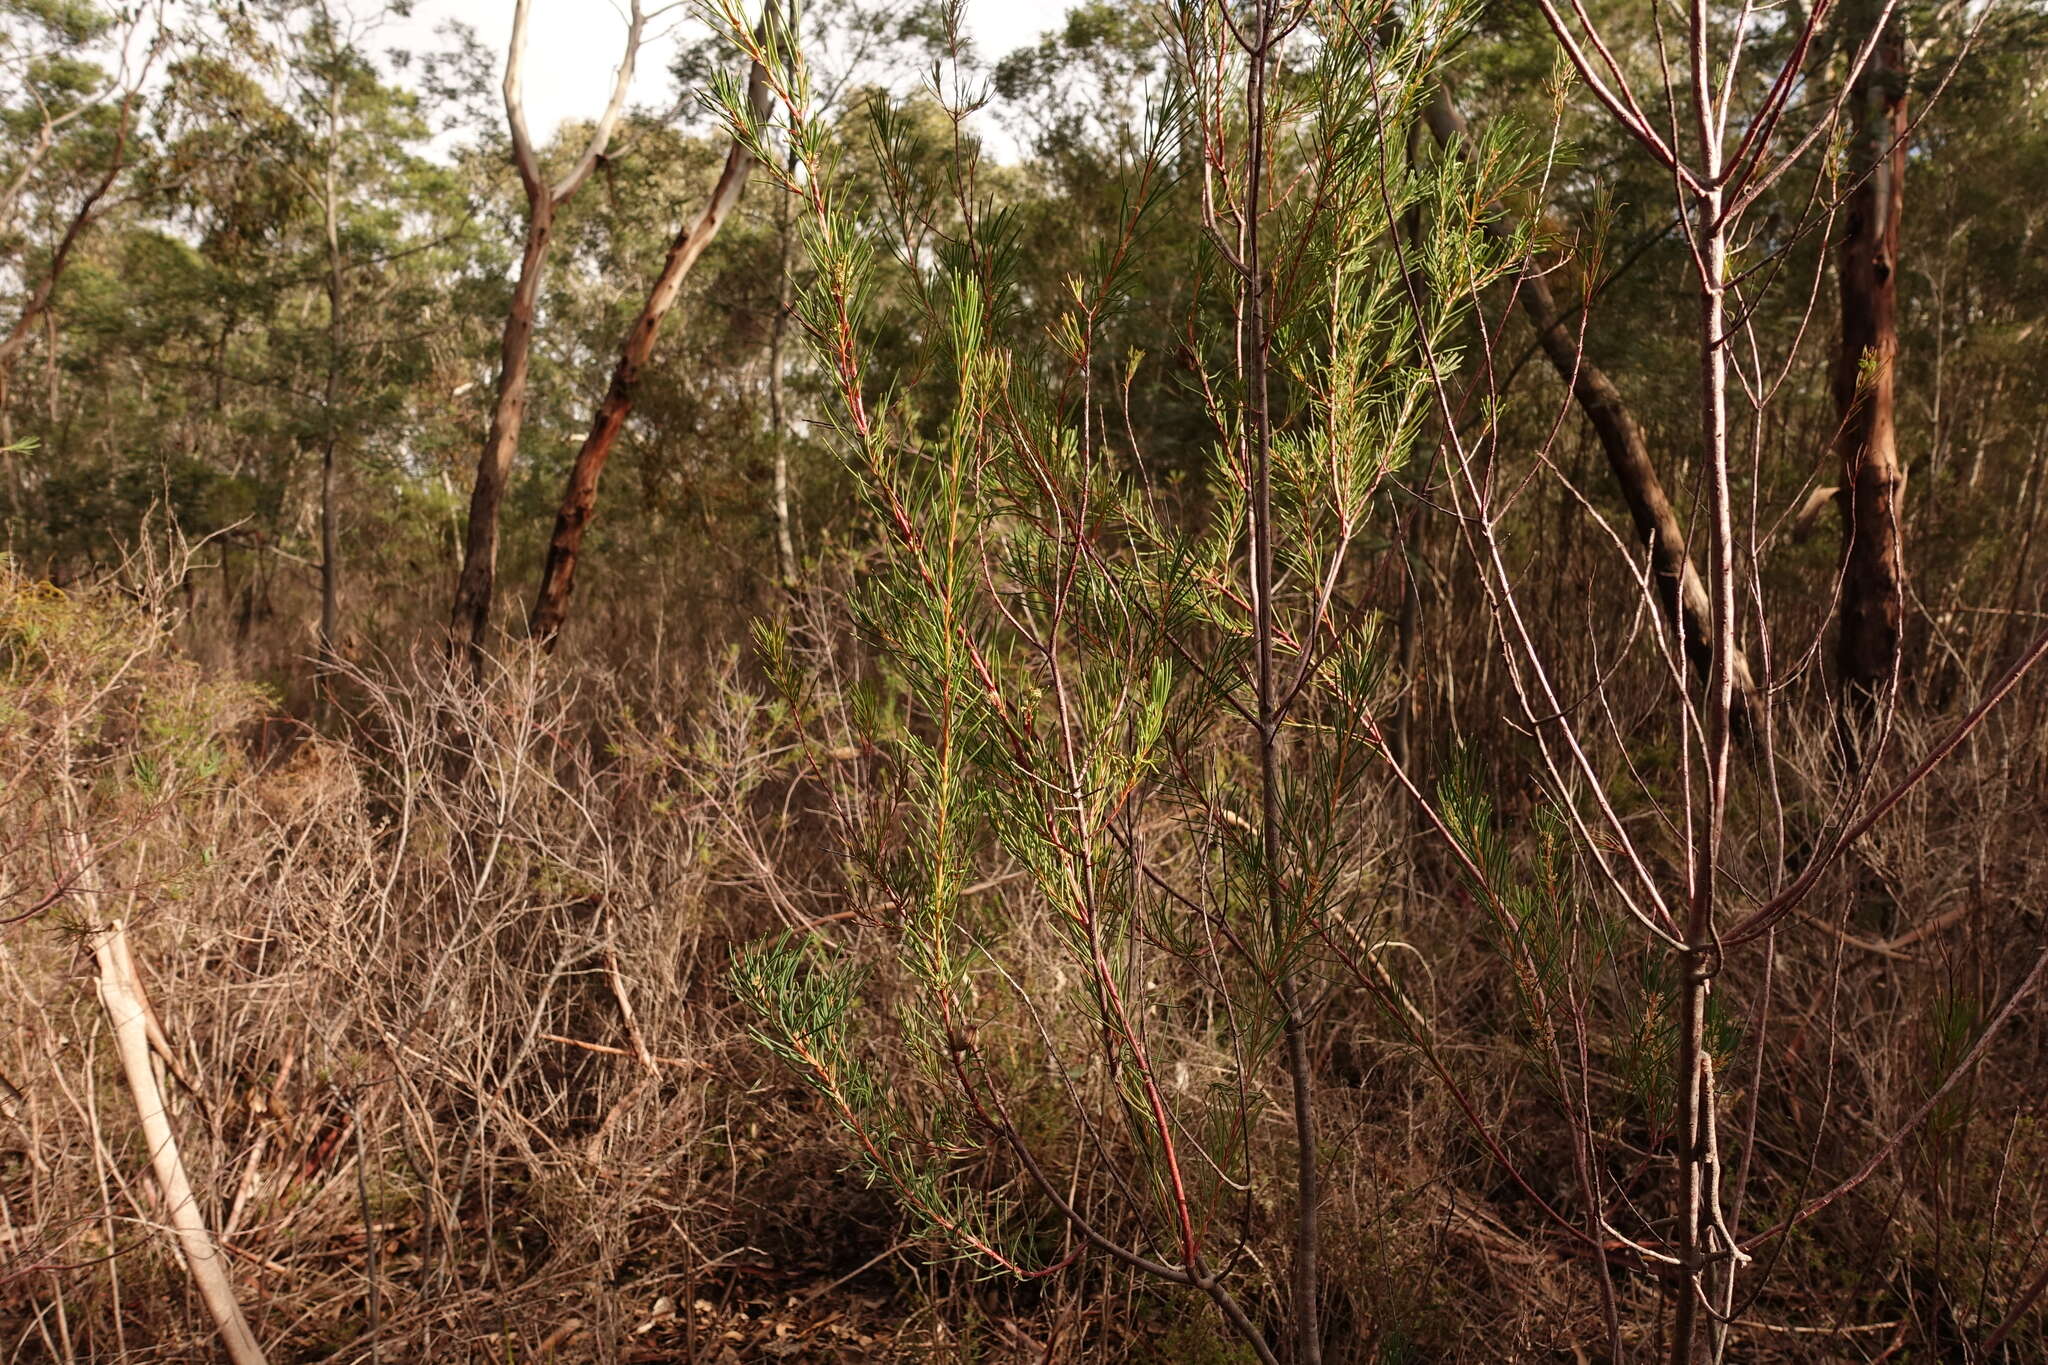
(1336, 681)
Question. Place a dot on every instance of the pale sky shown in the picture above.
(573, 45)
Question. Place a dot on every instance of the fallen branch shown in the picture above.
(127, 1007)
(610, 1051)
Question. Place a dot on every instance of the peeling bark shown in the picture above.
(1866, 441)
(470, 617)
(579, 497)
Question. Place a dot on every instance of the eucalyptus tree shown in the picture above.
(579, 496)
(1128, 745)
(248, 336)
(68, 133)
(853, 48)
(1867, 267)
(1681, 593)
(1972, 394)
(476, 583)
(1723, 136)
(337, 93)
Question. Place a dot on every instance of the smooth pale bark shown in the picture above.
(129, 82)
(120, 989)
(579, 497)
(1681, 593)
(778, 332)
(778, 421)
(476, 585)
(38, 305)
(1866, 441)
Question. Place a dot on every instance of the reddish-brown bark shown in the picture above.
(1866, 442)
(579, 497)
(470, 615)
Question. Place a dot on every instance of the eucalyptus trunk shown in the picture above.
(1866, 442)
(579, 497)
(470, 616)
(330, 538)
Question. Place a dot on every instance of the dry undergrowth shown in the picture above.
(458, 1077)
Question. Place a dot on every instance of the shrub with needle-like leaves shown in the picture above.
(1134, 745)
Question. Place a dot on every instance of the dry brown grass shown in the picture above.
(454, 1069)
(458, 1077)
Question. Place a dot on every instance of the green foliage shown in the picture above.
(101, 714)
(75, 22)
(1073, 663)
(1068, 869)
